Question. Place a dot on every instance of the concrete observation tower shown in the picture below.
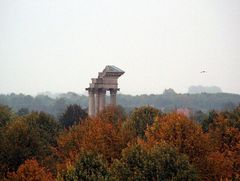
(107, 81)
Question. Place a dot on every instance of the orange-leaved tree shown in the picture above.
(30, 170)
(225, 159)
(112, 114)
(97, 135)
(182, 133)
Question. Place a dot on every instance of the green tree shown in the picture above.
(28, 137)
(161, 162)
(72, 115)
(131, 165)
(23, 111)
(166, 163)
(5, 115)
(141, 117)
(233, 117)
(209, 120)
(199, 117)
(89, 167)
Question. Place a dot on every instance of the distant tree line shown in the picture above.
(168, 101)
(21, 103)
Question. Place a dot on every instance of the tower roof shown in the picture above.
(107, 79)
(112, 68)
(111, 71)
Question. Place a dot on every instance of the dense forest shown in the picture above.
(167, 102)
(146, 144)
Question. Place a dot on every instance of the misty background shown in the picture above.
(59, 45)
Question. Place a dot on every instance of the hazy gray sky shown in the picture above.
(58, 45)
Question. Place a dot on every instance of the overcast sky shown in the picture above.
(59, 45)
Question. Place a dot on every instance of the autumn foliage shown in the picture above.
(225, 158)
(183, 134)
(144, 145)
(215, 154)
(30, 170)
(104, 136)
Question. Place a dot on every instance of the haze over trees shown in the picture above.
(203, 89)
(168, 101)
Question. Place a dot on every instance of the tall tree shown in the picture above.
(5, 115)
(72, 115)
(143, 117)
